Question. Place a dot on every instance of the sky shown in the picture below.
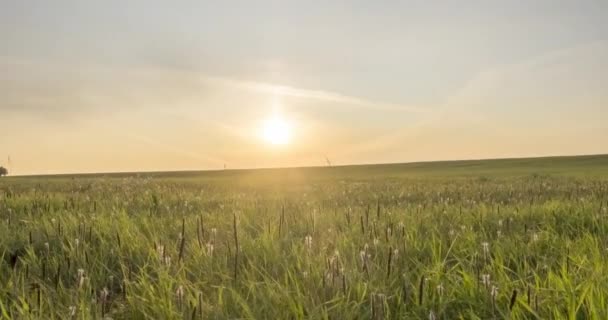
(111, 85)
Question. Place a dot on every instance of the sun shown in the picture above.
(276, 131)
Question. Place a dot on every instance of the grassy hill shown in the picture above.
(584, 166)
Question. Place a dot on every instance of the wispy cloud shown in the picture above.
(321, 95)
(136, 77)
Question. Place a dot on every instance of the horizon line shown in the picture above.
(301, 167)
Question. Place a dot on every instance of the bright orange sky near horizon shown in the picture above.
(149, 85)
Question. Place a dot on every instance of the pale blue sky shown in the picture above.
(363, 81)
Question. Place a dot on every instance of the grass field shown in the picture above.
(504, 239)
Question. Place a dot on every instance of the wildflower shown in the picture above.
(214, 231)
(500, 223)
(498, 233)
(308, 242)
(485, 280)
(535, 237)
(494, 292)
(160, 250)
(432, 315)
(486, 247)
(210, 248)
(305, 274)
(72, 310)
(376, 241)
(104, 294)
(440, 289)
(363, 257)
(77, 242)
(180, 292)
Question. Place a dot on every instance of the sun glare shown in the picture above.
(276, 131)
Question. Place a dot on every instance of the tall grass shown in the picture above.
(141, 248)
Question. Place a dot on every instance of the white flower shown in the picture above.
(485, 279)
(180, 292)
(308, 242)
(440, 289)
(210, 248)
(160, 250)
(104, 294)
(432, 315)
(535, 237)
(494, 292)
(363, 256)
(486, 247)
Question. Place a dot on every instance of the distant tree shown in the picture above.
(3, 171)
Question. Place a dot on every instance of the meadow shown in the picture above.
(496, 239)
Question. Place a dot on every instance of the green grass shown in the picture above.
(515, 238)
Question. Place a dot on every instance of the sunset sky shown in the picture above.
(173, 85)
